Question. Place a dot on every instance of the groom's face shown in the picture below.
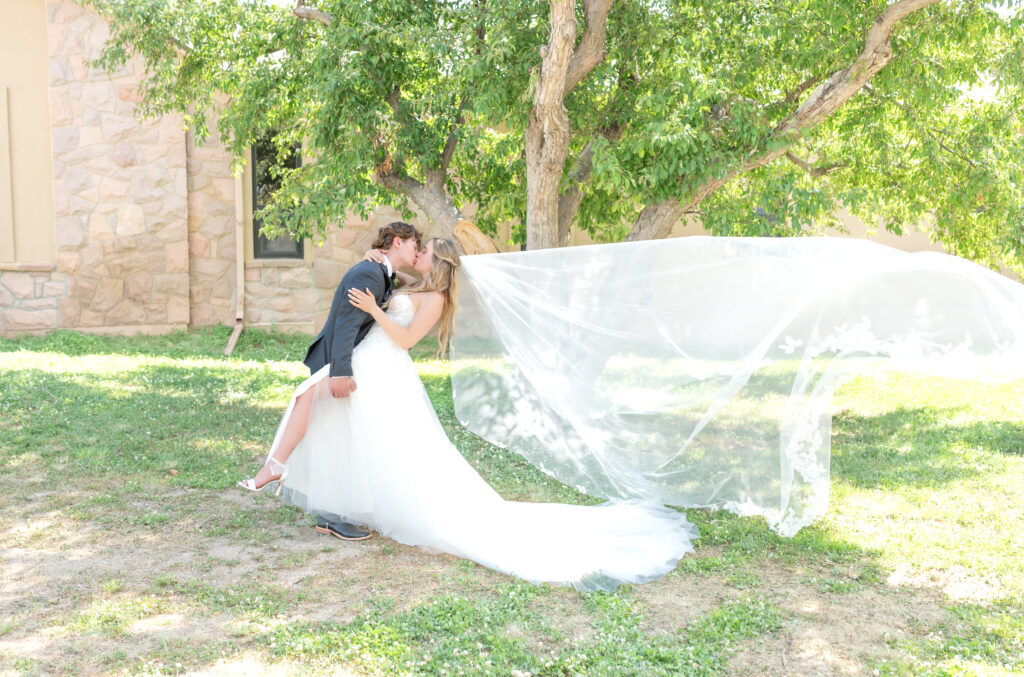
(403, 252)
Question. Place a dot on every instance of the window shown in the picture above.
(264, 183)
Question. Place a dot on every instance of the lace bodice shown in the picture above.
(401, 309)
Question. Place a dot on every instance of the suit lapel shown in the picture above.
(388, 286)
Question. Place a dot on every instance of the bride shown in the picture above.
(380, 458)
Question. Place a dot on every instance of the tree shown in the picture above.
(763, 117)
(385, 96)
(767, 117)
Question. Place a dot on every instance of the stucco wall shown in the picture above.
(30, 287)
(26, 199)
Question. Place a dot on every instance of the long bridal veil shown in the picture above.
(699, 371)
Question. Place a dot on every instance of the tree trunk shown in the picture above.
(431, 197)
(569, 201)
(657, 220)
(547, 133)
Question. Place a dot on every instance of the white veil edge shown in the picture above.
(699, 371)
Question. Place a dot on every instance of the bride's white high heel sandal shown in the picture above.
(278, 471)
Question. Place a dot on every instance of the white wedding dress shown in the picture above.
(380, 458)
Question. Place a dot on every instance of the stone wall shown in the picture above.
(119, 188)
(211, 232)
(30, 298)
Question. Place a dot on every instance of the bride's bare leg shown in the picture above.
(293, 434)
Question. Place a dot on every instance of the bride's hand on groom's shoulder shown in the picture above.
(375, 255)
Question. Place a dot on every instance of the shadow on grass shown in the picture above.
(206, 423)
(918, 447)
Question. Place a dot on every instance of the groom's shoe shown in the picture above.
(343, 530)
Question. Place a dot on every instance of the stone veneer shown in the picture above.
(120, 188)
(211, 231)
(30, 295)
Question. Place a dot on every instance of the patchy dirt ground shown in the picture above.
(97, 589)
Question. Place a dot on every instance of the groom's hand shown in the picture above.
(341, 386)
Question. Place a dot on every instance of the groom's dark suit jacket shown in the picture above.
(346, 325)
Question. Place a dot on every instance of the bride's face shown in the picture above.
(425, 259)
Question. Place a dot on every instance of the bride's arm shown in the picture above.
(426, 317)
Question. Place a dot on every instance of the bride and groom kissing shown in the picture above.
(360, 445)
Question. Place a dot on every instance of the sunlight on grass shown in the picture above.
(936, 489)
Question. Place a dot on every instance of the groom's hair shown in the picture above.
(387, 234)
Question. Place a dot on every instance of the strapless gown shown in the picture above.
(380, 458)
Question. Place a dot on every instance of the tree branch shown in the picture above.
(451, 142)
(393, 99)
(612, 129)
(816, 172)
(430, 198)
(548, 130)
(449, 148)
(656, 221)
(792, 97)
(481, 28)
(842, 85)
(569, 201)
(399, 184)
(591, 50)
(311, 13)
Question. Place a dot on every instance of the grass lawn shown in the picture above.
(125, 548)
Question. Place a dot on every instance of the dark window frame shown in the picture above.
(283, 247)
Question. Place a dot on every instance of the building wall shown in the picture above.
(142, 223)
(120, 189)
(211, 231)
(294, 295)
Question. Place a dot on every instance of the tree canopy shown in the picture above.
(762, 117)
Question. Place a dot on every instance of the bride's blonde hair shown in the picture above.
(443, 277)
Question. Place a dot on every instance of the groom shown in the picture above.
(346, 326)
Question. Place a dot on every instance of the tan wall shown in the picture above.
(30, 287)
(910, 241)
(26, 194)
